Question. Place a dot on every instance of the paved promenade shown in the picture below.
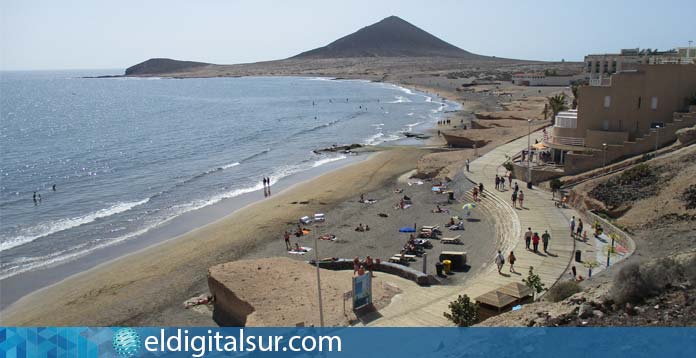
(419, 306)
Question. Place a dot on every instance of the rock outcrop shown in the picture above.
(161, 66)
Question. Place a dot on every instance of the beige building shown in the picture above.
(616, 116)
(603, 65)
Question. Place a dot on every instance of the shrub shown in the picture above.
(635, 282)
(689, 197)
(533, 281)
(630, 286)
(508, 165)
(463, 312)
(562, 290)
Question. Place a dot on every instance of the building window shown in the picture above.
(653, 103)
(620, 125)
(639, 100)
(607, 101)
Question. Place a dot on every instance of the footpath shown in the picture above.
(419, 306)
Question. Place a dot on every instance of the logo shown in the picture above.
(126, 342)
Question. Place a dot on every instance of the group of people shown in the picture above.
(500, 181)
(361, 228)
(517, 195)
(577, 230)
(532, 239)
(266, 186)
(477, 192)
(500, 261)
(444, 122)
(37, 196)
(359, 267)
(288, 244)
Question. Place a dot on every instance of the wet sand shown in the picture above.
(149, 287)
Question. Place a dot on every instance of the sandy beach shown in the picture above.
(148, 287)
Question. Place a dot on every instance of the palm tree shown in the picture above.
(557, 103)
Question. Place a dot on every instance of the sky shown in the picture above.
(81, 34)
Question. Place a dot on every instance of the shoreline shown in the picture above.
(167, 267)
(27, 283)
(84, 284)
(50, 275)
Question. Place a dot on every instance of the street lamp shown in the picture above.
(604, 152)
(529, 153)
(316, 260)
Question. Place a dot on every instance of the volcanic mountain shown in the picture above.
(391, 37)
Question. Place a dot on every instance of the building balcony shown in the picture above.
(566, 141)
(601, 82)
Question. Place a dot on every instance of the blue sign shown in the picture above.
(124, 342)
(362, 290)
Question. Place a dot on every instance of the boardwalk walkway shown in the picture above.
(419, 306)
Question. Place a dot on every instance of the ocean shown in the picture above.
(127, 155)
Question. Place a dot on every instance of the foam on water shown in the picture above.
(28, 235)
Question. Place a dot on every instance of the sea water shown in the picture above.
(130, 154)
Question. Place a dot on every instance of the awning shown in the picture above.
(539, 146)
(496, 299)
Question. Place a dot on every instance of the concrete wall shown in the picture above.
(538, 176)
(386, 267)
(595, 138)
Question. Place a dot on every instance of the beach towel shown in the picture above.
(328, 237)
(407, 229)
(304, 248)
(370, 201)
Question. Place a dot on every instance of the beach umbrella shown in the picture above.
(407, 229)
(468, 206)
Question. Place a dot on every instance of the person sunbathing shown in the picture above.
(451, 222)
(360, 228)
(298, 248)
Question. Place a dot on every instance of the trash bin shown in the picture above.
(439, 267)
(448, 266)
(578, 256)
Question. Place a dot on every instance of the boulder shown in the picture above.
(686, 135)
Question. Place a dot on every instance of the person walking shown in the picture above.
(511, 260)
(286, 236)
(499, 261)
(514, 199)
(578, 233)
(528, 237)
(510, 179)
(572, 227)
(517, 187)
(497, 182)
(520, 197)
(481, 189)
(474, 193)
(467, 165)
(545, 237)
(535, 242)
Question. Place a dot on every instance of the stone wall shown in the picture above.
(386, 267)
(228, 309)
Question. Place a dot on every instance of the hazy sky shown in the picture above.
(74, 34)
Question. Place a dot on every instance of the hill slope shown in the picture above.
(156, 66)
(391, 37)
